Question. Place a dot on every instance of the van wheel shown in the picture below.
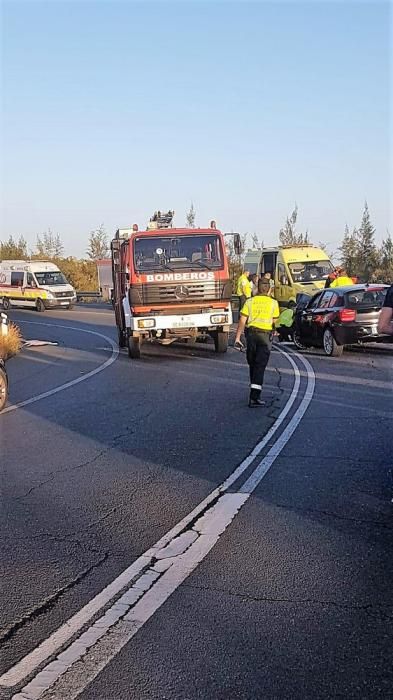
(3, 389)
(6, 304)
(331, 348)
(39, 305)
(69, 307)
(220, 341)
(134, 348)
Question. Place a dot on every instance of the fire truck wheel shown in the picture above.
(6, 303)
(121, 339)
(134, 348)
(221, 341)
(39, 305)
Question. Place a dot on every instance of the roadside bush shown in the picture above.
(11, 343)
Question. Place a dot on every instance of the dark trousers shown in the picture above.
(259, 345)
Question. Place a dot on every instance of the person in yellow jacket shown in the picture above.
(342, 279)
(244, 288)
(260, 314)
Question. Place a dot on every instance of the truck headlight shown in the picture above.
(219, 318)
(146, 323)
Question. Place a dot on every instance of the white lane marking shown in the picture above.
(73, 382)
(56, 640)
(123, 620)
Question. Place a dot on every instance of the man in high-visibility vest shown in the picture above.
(260, 313)
(342, 279)
(244, 288)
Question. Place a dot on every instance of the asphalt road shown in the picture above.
(292, 598)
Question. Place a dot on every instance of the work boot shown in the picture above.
(255, 403)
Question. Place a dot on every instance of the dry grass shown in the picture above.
(11, 343)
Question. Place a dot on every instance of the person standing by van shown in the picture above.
(243, 288)
(342, 279)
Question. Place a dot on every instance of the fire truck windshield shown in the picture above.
(178, 252)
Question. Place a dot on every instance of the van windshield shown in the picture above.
(310, 272)
(51, 279)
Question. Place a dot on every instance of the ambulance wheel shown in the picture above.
(3, 389)
(39, 305)
(221, 341)
(6, 304)
(121, 339)
(69, 307)
(134, 348)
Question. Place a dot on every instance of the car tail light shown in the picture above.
(347, 315)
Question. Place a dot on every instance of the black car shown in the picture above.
(334, 318)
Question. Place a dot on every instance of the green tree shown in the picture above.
(49, 245)
(98, 244)
(288, 234)
(12, 249)
(385, 271)
(190, 216)
(367, 253)
(349, 251)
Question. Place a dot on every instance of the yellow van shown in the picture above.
(299, 269)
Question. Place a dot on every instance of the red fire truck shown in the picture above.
(170, 284)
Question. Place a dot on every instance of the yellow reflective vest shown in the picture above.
(341, 282)
(261, 311)
(244, 286)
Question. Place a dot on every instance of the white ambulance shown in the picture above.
(37, 284)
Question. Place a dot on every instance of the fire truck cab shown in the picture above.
(170, 284)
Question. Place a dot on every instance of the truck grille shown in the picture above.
(180, 293)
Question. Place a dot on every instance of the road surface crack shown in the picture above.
(50, 601)
(370, 608)
(330, 514)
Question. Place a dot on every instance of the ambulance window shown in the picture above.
(17, 279)
(30, 280)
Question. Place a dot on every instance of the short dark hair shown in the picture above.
(263, 283)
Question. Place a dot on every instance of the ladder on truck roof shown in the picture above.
(159, 220)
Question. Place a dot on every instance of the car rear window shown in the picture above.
(364, 298)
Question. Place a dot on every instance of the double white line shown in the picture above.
(150, 580)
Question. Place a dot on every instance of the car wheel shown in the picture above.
(3, 389)
(297, 342)
(331, 348)
(6, 304)
(39, 305)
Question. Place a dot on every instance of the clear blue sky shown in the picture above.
(114, 109)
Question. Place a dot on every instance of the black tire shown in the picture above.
(69, 307)
(3, 389)
(6, 304)
(122, 340)
(297, 342)
(39, 306)
(331, 348)
(134, 348)
(190, 341)
(221, 341)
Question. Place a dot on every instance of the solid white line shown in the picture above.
(73, 382)
(126, 619)
(56, 640)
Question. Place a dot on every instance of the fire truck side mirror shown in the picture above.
(237, 244)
